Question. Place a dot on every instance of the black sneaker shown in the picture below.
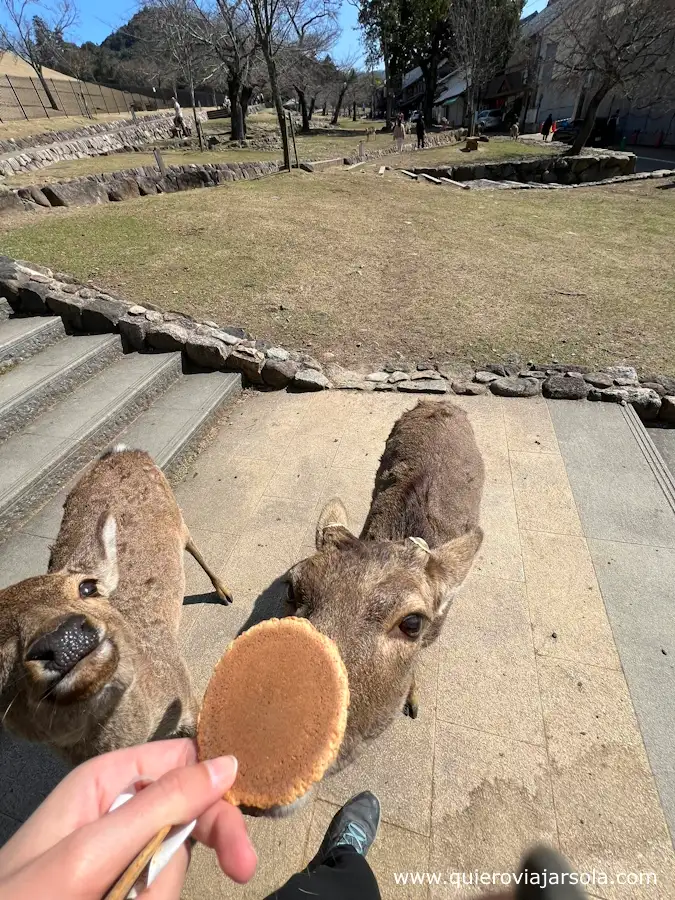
(355, 825)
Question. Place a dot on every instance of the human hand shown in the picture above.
(73, 847)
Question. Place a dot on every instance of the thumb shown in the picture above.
(87, 862)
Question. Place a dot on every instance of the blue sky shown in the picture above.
(97, 20)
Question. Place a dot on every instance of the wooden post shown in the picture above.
(361, 150)
(295, 149)
(159, 161)
(17, 97)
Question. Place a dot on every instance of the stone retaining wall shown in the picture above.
(90, 190)
(588, 167)
(35, 290)
(98, 140)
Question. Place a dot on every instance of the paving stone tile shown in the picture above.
(492, 798)
(223, 498)
(528, 426)
(543, 496)
(487, 677)
(608, 810)
(568, 613)
(499, 556)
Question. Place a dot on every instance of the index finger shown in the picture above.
(87, 793)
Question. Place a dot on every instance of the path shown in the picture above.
(528, 728)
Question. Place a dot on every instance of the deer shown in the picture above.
(89, 657)
(384, 596)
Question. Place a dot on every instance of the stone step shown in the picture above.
(170, 430)
(39, 382)
(23, 338)
(5, 309)
(35, 463)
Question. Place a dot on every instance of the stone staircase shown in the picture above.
(63, 400)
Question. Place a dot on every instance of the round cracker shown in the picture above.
(277, 700)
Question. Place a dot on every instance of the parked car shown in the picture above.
(566, 131)
(489, 119)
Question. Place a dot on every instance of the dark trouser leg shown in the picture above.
(345, 875)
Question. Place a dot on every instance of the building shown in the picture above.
(537, 85)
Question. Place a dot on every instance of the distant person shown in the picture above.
(547, 126)
(178, 120)
(399, 132)
(612, 125)
(420, 130)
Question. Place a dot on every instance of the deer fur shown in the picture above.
(122, 530)
(360, 590)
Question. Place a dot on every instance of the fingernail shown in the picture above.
(222, 770)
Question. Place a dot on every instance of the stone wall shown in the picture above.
(35, 290)
(97, 140)
(545, 169)
(90, 190)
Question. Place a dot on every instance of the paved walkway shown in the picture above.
(527, 729)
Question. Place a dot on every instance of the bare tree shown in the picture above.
(609, 45)
(278, 24)
(231, 34)
(180, 38)
(22, 31)
(483, 35)
(346, 76)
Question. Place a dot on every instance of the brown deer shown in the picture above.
(384, 596)
(89, 658)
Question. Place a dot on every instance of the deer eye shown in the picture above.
(411, 625)
(88, 588)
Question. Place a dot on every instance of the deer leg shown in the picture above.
(224, 594)
(411, 705)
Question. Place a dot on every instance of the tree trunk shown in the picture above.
(46, 89)
(302, 99)
(470, 112)
(589, 120)
(325, 109)
(234, 90)
(354, 112)
(198, 127)
(430, 74)
(312, 106)
(246, 94)
(338, 105)
(276, 99)
(389, 98)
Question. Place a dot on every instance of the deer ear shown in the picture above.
(97, 555)
(332, 529)
(450, 563)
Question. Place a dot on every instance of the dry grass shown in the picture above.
(367, 268)
(96, 165)
(497, 150)
(26, 127)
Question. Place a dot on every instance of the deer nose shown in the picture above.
(60, 650)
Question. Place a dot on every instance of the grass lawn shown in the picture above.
(366, 267)
(22, 128)
(498, 150)
(317, 146)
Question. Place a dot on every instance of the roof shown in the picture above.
(452, 86)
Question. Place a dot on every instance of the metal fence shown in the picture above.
(26, 98)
